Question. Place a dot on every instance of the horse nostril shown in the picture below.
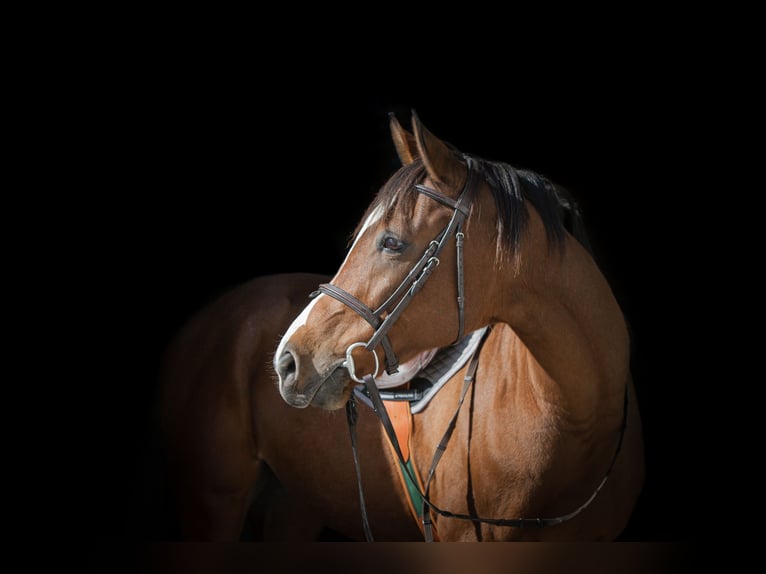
(286, 365)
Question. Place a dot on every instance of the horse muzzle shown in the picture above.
(301, 386)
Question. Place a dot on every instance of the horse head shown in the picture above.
(399, 293)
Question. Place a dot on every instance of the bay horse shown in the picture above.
(465, 375)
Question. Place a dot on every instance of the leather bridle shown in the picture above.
(398, 301)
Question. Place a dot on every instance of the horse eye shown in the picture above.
(392, 244)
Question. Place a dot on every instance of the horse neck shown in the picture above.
(568, 318)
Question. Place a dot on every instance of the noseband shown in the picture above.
(413, 282)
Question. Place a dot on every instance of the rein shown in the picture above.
(393, 308)
(382, 414)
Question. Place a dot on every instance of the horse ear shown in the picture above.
(441, 162)
(404, 141)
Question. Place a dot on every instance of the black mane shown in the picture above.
(511, 188)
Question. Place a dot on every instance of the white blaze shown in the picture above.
(302, 319)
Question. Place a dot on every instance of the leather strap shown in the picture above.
(380, 411)
(398, 301)
(351, 416)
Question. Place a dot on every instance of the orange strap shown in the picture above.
(401, 419)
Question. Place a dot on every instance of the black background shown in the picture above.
(202, 175)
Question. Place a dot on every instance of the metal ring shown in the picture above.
(349, 362)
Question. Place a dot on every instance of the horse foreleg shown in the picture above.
(276, 516)
(256, 510)
(212, 514)
(211, 478)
